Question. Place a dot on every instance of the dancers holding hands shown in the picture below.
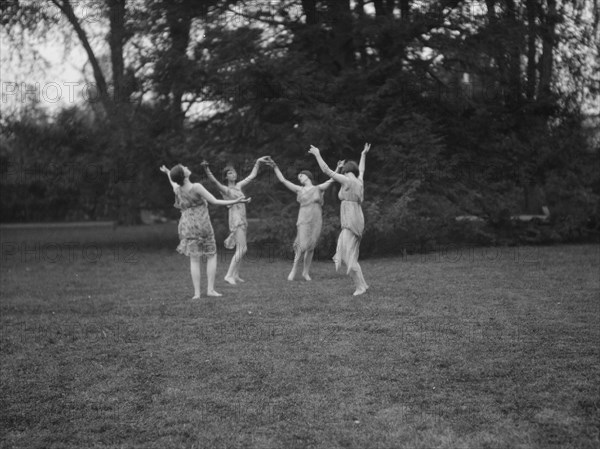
(238, 225)
(197, 236)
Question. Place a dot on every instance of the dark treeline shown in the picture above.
(478, 109)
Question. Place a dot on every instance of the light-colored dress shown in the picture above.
(237, 216)
(310, 218)
(196, 234)
(353, 224)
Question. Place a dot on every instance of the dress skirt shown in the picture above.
(309, 224)
(348, 245)
(196, 235)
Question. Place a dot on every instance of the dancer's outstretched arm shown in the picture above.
(210, 176)
(165, 170)
(290, 185)
(201, 190)
(244, 182)
(327, 183)
(363, 157)
(323, 165)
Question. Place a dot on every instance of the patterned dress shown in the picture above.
(353, 224)
(310, 218)
(237, 216)
(196, 234)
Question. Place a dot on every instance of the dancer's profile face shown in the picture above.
(302, 178)
(186, 172)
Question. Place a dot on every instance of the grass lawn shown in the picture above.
(479, 348)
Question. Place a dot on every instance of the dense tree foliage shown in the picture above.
(473, 108)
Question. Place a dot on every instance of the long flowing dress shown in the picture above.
(353, 225)
(196, 235)
(237, 216)
(310, 218)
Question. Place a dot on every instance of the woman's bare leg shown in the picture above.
(229, 277)
(308, 256)
(359, 280)
(241, 250)
(297, 255)
(233, 273)
(195, 272)
(211, 270)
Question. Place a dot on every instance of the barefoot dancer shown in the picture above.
(351, 215)
(310, 217)
(195, 230)
(237, 215)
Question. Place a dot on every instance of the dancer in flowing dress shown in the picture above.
(310, 217)
(196, 235)
(351, 216)
(238, 224)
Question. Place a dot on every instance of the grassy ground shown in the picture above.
(477, 348)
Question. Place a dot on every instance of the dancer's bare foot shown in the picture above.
(213, 293)
(196, 297)
(291, 276)
(360, 291)
(307, 277)
(230, 280)
(239, 279)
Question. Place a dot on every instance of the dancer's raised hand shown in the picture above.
(314, 150)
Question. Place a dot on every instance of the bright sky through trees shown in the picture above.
(51, 70)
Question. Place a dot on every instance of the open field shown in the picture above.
(473, 348)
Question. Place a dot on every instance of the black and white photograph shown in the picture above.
(289, 224)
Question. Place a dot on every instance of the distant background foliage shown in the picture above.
(487, 109)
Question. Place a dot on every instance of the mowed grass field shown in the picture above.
(102, 347)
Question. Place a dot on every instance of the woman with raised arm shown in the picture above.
(310, 217)
(351, 215)
(196, 234)
(238, 224)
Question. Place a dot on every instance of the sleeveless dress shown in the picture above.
(310, 218)
(196, 235)
(353, 224)
(237, 215)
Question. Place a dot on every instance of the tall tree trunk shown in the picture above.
(491, 11)
(310, 11)
(547, 58)
(123, 145)
(514, 54)
(531, 50)
(379, 8)
(67, 9)
(116, 40)
(389, 7)
(179, 20)
(384, 40)
(359, 10)
(343, 38)
(312, 39)
(495, 49)
(404, 9)
(121, 152)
